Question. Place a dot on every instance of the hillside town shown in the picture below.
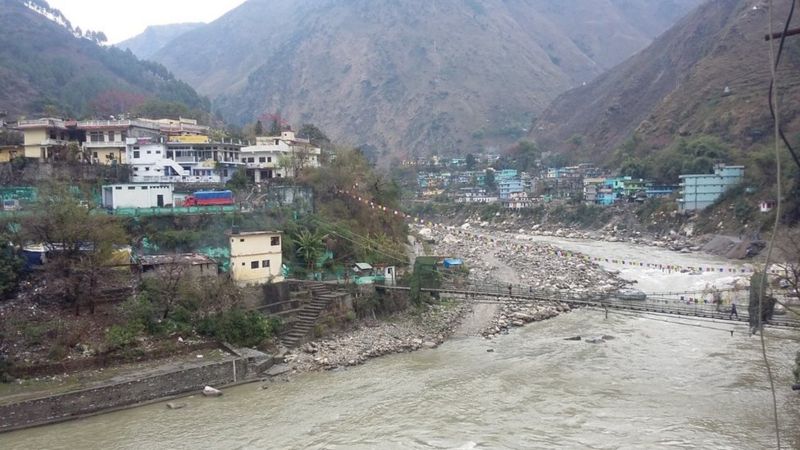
(584, 183)
(450, 224)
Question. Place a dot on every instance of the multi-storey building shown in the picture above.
(509, 187)
(47, 138)
(698, 191)
(105, 140)
(278, 156)
(256, 257)
(182, 159)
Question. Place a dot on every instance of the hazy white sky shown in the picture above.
(122, 19)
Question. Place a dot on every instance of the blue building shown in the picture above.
(509, 186)
(699, 191)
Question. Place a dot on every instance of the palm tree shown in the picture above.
(310, 246)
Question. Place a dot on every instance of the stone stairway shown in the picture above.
(321, 296)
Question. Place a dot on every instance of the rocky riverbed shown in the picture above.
(529, 269)
(422, 328)
(497, 263)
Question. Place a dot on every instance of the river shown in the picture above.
(655, 385)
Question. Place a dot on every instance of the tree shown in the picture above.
(81, 247)
(310, 246)
(788, 255)
(259, 128)
(470, 161)
(489, 181)
(10, 268)
(313, 134)
(275, 128)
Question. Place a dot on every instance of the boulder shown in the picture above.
(430, 344)
(209, 391)
(573, 338)
(172, 405)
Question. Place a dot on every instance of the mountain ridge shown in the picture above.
(156, 37)
(707, 76)
(411, 78)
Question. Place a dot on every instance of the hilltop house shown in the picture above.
(278, 156)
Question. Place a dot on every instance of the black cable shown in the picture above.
(772, 86)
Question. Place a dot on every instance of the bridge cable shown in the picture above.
(775, 111)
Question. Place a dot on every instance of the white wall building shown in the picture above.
(182, 159)
(137, 196)
(278, 156)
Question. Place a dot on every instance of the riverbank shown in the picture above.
(499, 262)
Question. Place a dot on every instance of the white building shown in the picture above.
(105, 140)
(278, 156)
(182, 159)
(475, 195)
(117, 196)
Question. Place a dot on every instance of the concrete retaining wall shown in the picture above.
(75, 404)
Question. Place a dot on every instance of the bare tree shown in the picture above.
(81, 247)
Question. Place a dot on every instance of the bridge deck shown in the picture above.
(654, 305)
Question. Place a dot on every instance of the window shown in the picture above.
(265, 263)
(119, 188)
(242, 264)
(147, 169)
(262, 159)
(149, 152)
(275, 240)
(269, 159)
(96, 136)
(241, 240)
(136, 154)
(144, 188)
(130, 188)
(94, 154)
(251, 160)
(254, 264)
(111, 136)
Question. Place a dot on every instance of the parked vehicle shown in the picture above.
(209, 198)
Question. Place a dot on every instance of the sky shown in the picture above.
(123, 19)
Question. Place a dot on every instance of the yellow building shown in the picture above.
(256, 257)
(9, 152)
(44, 138)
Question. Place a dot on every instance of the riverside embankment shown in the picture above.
(656, 385)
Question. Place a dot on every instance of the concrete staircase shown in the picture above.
(321, 296)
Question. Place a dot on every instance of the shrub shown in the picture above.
(120, 337)
(246, 329)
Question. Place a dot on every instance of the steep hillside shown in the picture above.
(154, 38)
(414, 76)
(708, 75)
(46, 69)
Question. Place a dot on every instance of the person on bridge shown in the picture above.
(733, 312)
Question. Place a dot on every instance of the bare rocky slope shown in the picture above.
(708, 75)
(415, 76)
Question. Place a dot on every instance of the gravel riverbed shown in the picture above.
(498, 262)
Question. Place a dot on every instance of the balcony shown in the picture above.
(53, 143)
(103, 144)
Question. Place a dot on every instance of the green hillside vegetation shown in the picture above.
(46, 70)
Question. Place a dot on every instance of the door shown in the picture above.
(160, 200)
